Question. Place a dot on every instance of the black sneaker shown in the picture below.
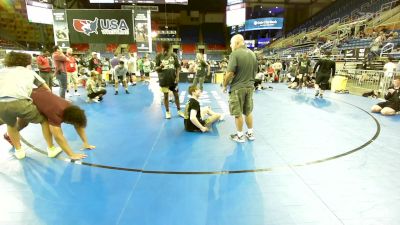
(126, 91)
(235, 137)
(321, 96)
(316, 93)
(116, 93)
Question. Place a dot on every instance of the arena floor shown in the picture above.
(314, 162)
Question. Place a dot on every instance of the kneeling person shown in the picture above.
(194, 115)
(94, 94)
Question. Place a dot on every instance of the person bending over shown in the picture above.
(58, 111)
(194, 115)
(16, 84)
(120, 74)
(392, 104)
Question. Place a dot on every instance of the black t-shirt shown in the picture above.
(195, 105)
(170, 64)
(201, 68)
(393, 97)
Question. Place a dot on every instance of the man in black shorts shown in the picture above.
(326, 69)
(168, 68)
(392, 104)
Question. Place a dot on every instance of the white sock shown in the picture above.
(250, 131)
(240, 133)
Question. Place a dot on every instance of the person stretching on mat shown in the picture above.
(58, 111)
(195, 117)
(392, 104)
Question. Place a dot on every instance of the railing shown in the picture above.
(361, 81)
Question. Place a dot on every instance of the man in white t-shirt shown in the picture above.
(132, 68)
(16, 84)
(389, 68)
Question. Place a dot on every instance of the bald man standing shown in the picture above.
(240, 74)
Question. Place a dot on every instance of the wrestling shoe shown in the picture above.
(235, 137)
(20, 154)
(53, 151)
(167, 115)
(181, 114)
(250, 136)
(126, 92)
(116, 93)
(316, 93)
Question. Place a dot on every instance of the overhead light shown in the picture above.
(269, 11)
(276, 7)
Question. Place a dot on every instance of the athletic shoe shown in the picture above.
(100, 99)
(321, 96)
(126, 91)
(316, 93)
(181, 114)
(68, 94)
(235, 137)
(116, 93)
(77, 93)
(20, 154)
(53, 151)
(250, 136)
(8, 139)
(222, 117)
(167, 115)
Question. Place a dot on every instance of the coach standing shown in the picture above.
(240, 74)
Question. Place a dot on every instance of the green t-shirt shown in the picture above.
(243, 63)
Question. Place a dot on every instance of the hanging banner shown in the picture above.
(100, 26)
(60, 28)
(143, 30)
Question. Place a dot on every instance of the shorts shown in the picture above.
(72, 77)
(393, 105)
(23, 109)
(118, 78)
(322, 79)
(173, 88)
(241, 101)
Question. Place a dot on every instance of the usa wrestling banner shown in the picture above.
(143, 30)
(60, 28)
(100, 26)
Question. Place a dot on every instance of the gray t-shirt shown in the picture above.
(120, 71)
(243, 63)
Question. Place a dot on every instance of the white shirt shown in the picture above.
(132, 65)
(18, 82)
(389, 69)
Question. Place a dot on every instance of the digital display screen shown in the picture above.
(39, 12)
(235, 15)
(180, 2)
(264, 23)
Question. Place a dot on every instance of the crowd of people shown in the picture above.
(26, 96)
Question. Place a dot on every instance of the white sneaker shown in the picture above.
(181, 114)
(167, 115)
(250, 136)
(20, 154)
(68, 94)
(222, 117)
(53, 151)
(77, 94)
